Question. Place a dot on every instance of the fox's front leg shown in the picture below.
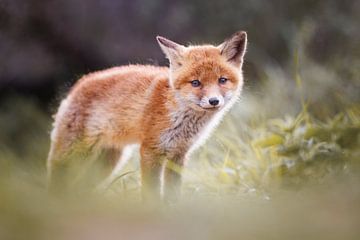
(151, 172)
(172, 179)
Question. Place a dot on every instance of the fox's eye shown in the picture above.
(195, 83)
(223, 80)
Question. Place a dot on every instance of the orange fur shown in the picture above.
(156, 107)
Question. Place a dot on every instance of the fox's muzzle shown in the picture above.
(215, 101)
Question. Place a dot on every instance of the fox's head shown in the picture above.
(206, 77)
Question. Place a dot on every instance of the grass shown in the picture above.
(284, 164)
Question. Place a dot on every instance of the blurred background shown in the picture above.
(46, 45)
(296, 128)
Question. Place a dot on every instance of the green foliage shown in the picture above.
(265, 178)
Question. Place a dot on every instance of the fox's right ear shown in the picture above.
(172, 50)
(234, 48)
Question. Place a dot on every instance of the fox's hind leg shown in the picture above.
(57, 165)
(61, 156)
(68, 152)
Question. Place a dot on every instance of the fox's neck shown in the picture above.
(186, 125)
(189, 121)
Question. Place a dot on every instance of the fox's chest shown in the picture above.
(185, 129)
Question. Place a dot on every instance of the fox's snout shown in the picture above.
(212, 101)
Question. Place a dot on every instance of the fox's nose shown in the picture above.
(214, 101)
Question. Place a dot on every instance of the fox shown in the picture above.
(167, 111)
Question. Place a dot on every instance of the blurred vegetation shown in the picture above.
(284, 164)
(262, 160)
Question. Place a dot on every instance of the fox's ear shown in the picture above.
(234, 48)
(172, 50)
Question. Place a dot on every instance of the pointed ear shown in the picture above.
(234, 48)
(172, 50)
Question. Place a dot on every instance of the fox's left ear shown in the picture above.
(234, 48)
(172, 50)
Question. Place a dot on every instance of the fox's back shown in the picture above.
(131, 77)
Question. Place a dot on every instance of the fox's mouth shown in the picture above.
(211, 109)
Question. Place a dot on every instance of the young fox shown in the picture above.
(168, 111)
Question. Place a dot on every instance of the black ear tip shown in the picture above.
(241, 34)
(160, 38)
(164, 41)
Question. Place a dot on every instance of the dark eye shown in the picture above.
(223, 80)
(195, 83)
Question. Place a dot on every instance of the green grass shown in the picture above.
(284, 164)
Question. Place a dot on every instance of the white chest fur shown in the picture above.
(189, 129)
